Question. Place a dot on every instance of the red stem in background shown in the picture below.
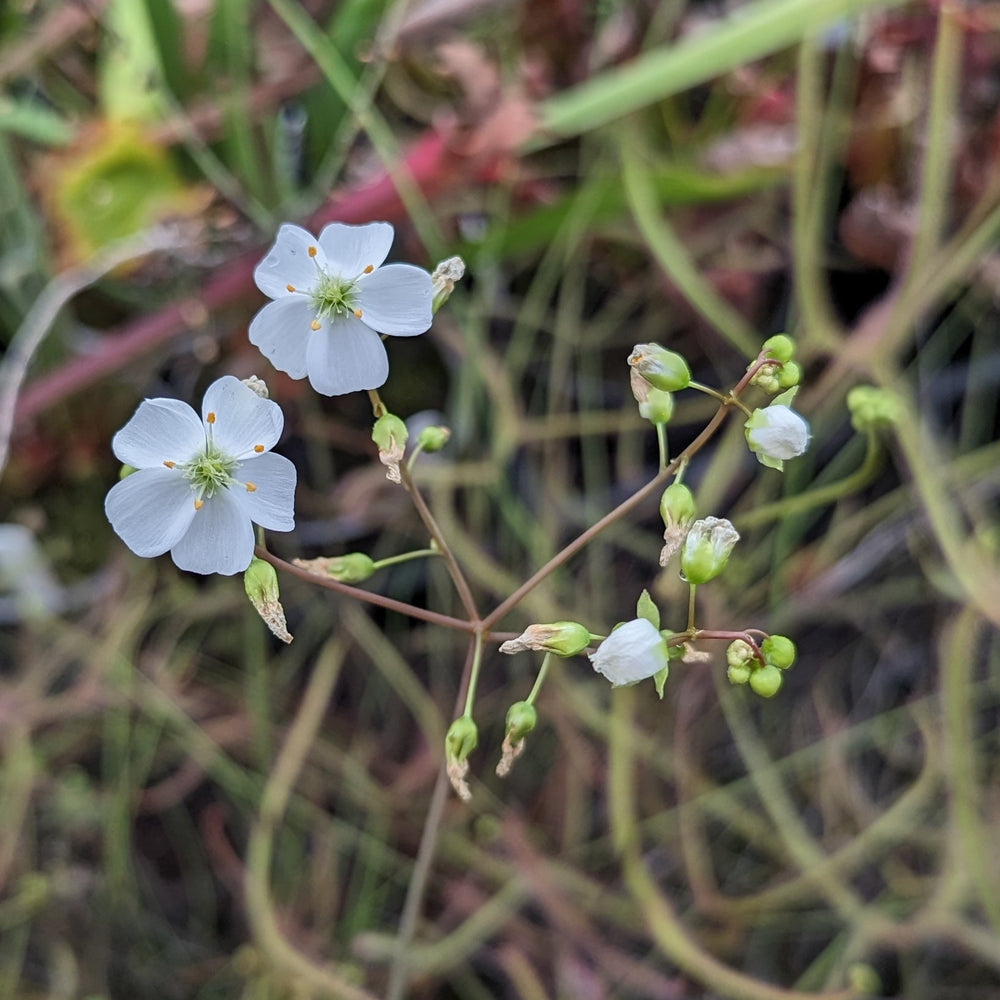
(434, 166)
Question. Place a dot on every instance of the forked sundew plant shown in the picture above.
(186, 485)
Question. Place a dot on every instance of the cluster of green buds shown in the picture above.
(761, 669)
(873, 409)
(784, 373)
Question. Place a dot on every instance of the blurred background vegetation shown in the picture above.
(190, 809)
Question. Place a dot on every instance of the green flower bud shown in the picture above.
(789, 375)
(864, 980)
(766, 380)
(521, 719)
(561, 638)
(766, 681)
(873, 409)
(354, 567)
(662, 369)
(433, 438)
(781, 347)
(461, 739)
(677, 506)
(706, 549)
(779, 650)
(658, 407)
(738, 673)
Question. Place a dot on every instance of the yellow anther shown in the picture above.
(258, 448)
(369, 269)
(357, 313)
(291, 288)
(210, 419)
(251, 487)
(198, 504)
(315, 324)
(312, 251)
(169, 465)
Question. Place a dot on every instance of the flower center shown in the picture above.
(333, 296)
(209, 471)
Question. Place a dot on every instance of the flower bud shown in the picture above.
(873, 409)
(740, 659)
(789, 375)
(781, 347)
(779, 650)
(521, 719)
(662, 369)
(633, 652)
(261, 584)
(658, 407)
(433, 438)
(354, 567)
(389, 434)
(706, 549)
(766, 681)
(561, 638)
(461, 739)
(738, 673)
(777, 432)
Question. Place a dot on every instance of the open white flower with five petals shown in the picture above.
(332, 299)
(202, 483)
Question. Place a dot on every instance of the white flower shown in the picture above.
(776, 433)
(203, 483)
(332, 299)
(633, 652)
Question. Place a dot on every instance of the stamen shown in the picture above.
(290, 288)
(315, 324)
(312, 251)
(198, 504)
(368, 269)
(251, 487)
(357, 313)
(169, 465)
(210, 419)
(258, 448)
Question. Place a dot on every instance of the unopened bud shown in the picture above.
(662, 369)
(658, 407)
(766, 681)
(781, 347)
(261, 584)
(354, 567)
(460, 741)
(677, 506)
(433, 438)
(873, 409)
(779, 650)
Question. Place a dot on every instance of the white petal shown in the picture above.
(160, 430)
(271, 504)
(150, 510)
(396, 299)
(345, 356)
(244, 422)
(288, 263)
(281, 331)
(350, 249)
(633, 652)
(219, 540)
